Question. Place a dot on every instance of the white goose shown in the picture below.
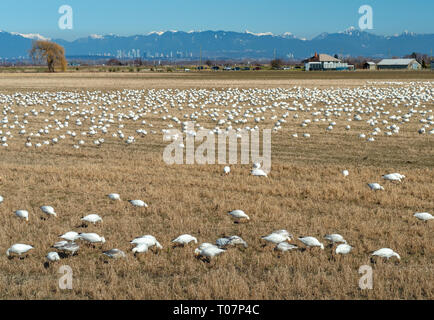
(311, 242)
(393, 177)
(23, 214)
(258, 173)
(140, 248)
(386, 253)
(91, 237)
(19, 249)
(345, 173)
(115, 253)
(227, 170)
(53, 256)
(239, 214)
(138, 203)
(70, 236)
(149, 240)
(114, 196)
(343, 249)
(1, 199)
(209, 251)
(335, 238)
(425, 216)
(92, 218)
(285, 246)
(375, 186)
(276, 238)
(48, 210)
(184, 239)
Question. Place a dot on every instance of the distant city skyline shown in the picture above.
(277, 17)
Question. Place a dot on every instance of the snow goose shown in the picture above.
(70, 247)
(239, 215)
(92, 218)
(19, 249)
(140, 248)
(343, 249)
(115, 253)
(227, 170)
(386, 253)
(285, 246)
(425, 216)
(258, 173)
(335, 238)
(184, 239)
(114, 196)
(375, 186)
(70, 236)
(393, 177)
(276, 238)
(149, 240)
(23, 214)
(48, 210)
(209, 252)
(91, 237)
(345, 173)
(138, 203)
(53, 256)
(311, 242)
(230, 241)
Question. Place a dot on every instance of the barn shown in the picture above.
(370, 65)
(402, 64)
(324, 62)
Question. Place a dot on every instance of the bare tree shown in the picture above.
(50, 52)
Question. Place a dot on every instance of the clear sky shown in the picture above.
(304, 18)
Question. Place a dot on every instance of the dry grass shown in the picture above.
(305, 193)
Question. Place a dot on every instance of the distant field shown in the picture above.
(305, 193)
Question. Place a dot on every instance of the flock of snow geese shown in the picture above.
(91, 118)
(280, 238)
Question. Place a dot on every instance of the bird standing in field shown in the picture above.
(23, 214)
(149, 240)
(386, 253)
(343, 249)
(48, 210)
(114, 196)
(424, 216)
(70, 236)
(53, 256)
(311, 242)
(92, 218)
(335, 238)
(227, 170)
(115, 253)
(138, 203)
(19, 249)
(91, 237)
(375, 186)
(277, 238)
(285, 246)
(345, 173)
(184, 239)
(239, 215)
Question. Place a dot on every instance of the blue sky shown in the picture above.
(277, 16)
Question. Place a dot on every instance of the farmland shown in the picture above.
(305, 191)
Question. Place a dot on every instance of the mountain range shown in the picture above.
(180, 45)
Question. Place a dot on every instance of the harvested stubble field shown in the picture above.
(304, 193)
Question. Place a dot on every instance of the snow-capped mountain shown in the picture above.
(226, 44)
